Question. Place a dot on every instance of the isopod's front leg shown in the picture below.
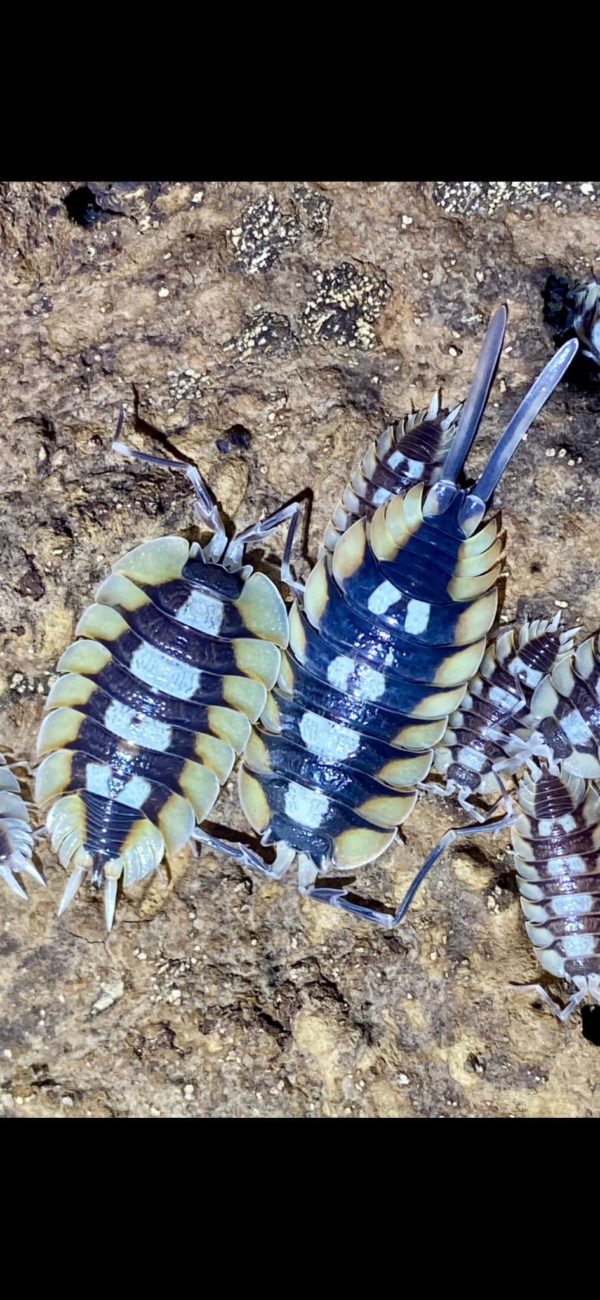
(247, 857)
(289, 514)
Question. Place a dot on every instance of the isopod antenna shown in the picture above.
(522, 420)
(476, 400)
(474, 504)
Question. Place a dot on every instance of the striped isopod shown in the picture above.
(574, 310)
(586, 318)
(384, 639)
(16, 835)
(409, 451)
(156, 699)
(490, 731)
(565, 712)
(556, 842)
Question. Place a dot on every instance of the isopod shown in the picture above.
(157, 696)
(565, 712)
(384, 639)
(409, 451)
(573, 311)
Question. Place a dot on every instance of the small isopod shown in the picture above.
(157, 696)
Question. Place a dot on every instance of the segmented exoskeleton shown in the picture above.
(156, 700)
(556, 842)
(409, 451)
(565, 712)
(489, 734)
(384, 639)
(16, 835)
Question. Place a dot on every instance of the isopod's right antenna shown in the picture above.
(530, 407)
(206, 506)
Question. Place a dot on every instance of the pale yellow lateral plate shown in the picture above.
(263, 609)
(155, 562)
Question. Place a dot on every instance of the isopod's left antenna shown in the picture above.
(475, 404)
(206, 506)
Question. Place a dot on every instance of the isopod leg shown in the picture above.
(247, 857)
(388, 920)
(307, 874)
(257, 532)
(562, 1013)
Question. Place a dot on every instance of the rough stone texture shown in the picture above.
(268, 332)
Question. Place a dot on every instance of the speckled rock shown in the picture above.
(268, 331)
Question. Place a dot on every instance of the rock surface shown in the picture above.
(268, 331)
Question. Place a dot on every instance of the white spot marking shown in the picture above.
(572, 904)
(579, 945)
(135, 793)
(372, 683)
(149, 665)
(381, 495)
(385, 594)
(471, 758)
(530, 676)
(306, 807)
(504, 699)
(329, 740)
(339, 670)
(417, 616)
(205, 613)
(568, 866)
(575, 729)
(136, 727)
(101, 780)
(97, 778)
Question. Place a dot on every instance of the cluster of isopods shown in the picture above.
(384, 673)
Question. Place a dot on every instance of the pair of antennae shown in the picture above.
(475, 404)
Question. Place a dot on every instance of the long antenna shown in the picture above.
(206, 505)
(475, 404)
(532, 403)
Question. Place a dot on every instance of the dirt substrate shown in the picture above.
(269, 332)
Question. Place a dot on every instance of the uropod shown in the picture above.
(16, 835)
